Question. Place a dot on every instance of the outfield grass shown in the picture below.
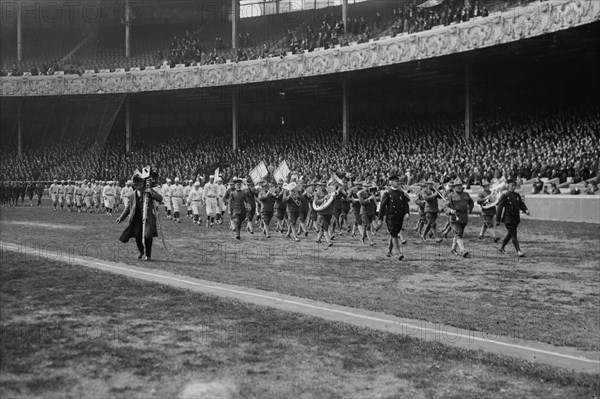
(73, 332)
(550, 296)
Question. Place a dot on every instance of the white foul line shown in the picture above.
(306, 305)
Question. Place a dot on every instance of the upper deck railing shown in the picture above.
(533, 19)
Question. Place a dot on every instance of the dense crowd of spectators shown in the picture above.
(557, 144)
(192, 48)
(186, 48)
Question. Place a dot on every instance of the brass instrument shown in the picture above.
(491, 200)
(327, 200)
(295, 197)
(440, 194)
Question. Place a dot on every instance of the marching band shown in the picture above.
(319, 206)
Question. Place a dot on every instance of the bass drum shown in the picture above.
(328, 200)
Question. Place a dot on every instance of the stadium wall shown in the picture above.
(563, 208)
(532, 20)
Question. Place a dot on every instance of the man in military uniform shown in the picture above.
(239, 204)
(345, 207)
(508, 212)
(368, 206)
(20, 192)
(422, 221)
(336, 208)
(394, 207)
(430, 198)
(304, 210)
(39, 192)
(29, 192)
(252, 193)
(267, 200)
(459, 205)
(488, 214)
(279, 207)
(292, 204)
(324, 215)
(446, 190)
(352, 199)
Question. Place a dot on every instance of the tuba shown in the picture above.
(329, 197)
(491, 200)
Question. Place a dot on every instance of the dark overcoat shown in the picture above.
(130, 210)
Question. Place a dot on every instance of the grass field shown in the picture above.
(552, 295)
(73, 332)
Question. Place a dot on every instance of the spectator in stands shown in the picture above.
(592, 189)
(553, 189)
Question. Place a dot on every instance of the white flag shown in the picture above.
(259, 172)
(281, 172)
(255, 175)
(262, 169)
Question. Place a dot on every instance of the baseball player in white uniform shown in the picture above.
(166, 193)
(195, 200)
(176, 194)
(210, 197)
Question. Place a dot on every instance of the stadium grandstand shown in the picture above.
(535, 98)
(318, 130)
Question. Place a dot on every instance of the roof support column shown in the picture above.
(235, 12)
(19, 129)
(345, 111)
(127, 125)
(19, 33)
(468, 102)
(345, 15)
(234, 114)
(127, 17)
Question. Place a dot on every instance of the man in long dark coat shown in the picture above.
(135, 213)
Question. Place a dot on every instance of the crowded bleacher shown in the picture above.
(551, 143)
(203, 43)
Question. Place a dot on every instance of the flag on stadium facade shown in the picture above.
(259, 172)
(281, 172)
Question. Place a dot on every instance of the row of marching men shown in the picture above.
(325, 206)
(291, 205)
(88, 195)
